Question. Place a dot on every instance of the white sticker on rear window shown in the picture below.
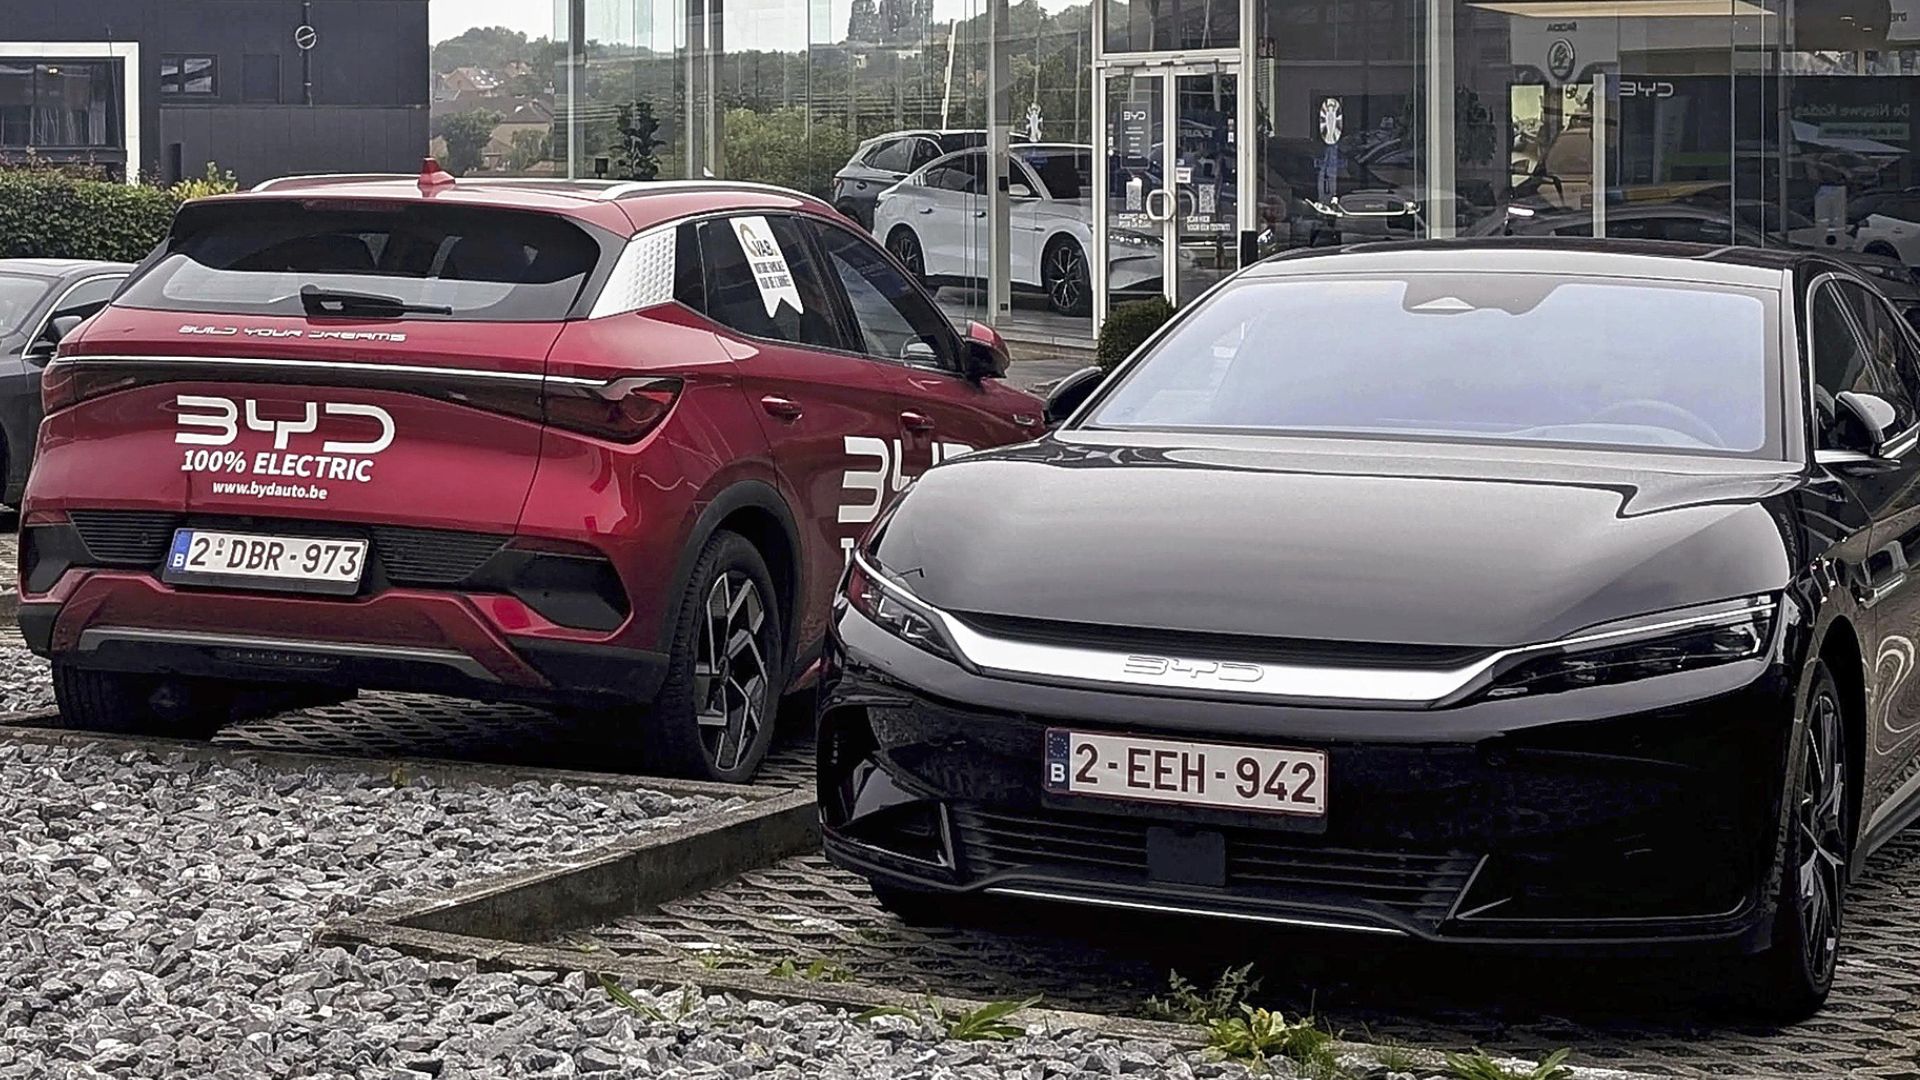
(769, 263)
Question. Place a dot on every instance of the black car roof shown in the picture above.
(1640, 258)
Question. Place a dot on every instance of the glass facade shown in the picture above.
(1216, 131)
(59, 104)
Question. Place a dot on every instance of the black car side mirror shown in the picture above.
(49, 342)
(1871, 417)
(1071, 392)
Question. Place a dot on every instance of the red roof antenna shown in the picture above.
(432, 175)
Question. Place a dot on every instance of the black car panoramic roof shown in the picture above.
(1652, 258)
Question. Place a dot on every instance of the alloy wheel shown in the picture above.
(1821, 817)
(906, 248)
(730, 678)
(1066, 277)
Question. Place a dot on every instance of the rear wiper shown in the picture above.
(320, 301)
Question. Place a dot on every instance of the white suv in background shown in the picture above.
(885, 160)
(935, 223)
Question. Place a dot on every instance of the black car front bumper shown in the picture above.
(1640, 815)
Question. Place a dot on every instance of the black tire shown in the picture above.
(1793, 976)
(916, 908)
(1885, 251)
(124, 704)
(740, 689)
(904, 245)
(1063, 273)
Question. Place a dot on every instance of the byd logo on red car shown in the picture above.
(215, 422)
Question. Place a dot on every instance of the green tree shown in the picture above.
(773, 147)
(467, 135)
(638, 130)
(530, 148)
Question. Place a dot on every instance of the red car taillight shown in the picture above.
(623, 410)
(66, 383)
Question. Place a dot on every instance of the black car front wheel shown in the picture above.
(1796, 972)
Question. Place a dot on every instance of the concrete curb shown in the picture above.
(632, 875)
(24, 727)
(1027, 347)
(491, 955)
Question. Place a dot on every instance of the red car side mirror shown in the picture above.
(986, 354)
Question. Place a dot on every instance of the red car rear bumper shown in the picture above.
(476, 645)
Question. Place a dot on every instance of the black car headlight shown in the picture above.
(1639, 648)
(883, 598)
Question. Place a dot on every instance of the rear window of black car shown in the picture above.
(441, 262)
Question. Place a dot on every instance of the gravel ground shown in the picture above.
(25, 681)
(158, 912)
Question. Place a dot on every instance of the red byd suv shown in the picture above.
(600, 446)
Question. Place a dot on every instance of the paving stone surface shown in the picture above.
(1658, 1017)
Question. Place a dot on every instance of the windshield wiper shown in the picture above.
(320, 301)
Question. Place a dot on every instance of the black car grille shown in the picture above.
(432, 556)
(427, 557)
(125, 537)
(1261, 865)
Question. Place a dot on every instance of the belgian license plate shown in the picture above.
(1256, 778)
(299, 564)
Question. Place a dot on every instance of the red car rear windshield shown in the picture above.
(417, 261)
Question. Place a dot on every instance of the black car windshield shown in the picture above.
(451, 262)
(1478, 357)
(18, 297)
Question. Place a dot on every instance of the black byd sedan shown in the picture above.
(1531, 593)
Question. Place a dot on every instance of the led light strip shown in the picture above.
(1397, 687)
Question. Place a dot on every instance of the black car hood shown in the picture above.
(1335, 540)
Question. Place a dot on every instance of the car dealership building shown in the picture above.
(1223, 130)
(160, 88)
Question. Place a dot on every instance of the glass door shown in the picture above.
(1136, 204)
(1206, 179)
(1171, 200)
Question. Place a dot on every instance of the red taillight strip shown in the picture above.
(623, 409)
(350, 366)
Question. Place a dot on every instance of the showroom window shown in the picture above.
(188, 76)
(59, 104)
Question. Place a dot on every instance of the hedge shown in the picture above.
(45, 213)
(1127, 326)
